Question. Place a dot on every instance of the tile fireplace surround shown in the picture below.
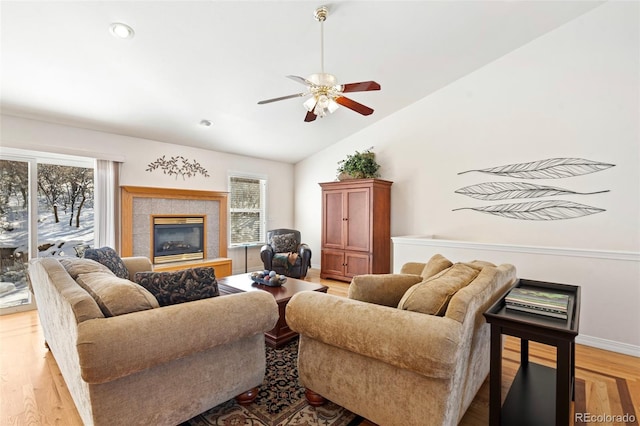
(140, 203)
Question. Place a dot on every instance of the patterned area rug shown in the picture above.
(280, 401)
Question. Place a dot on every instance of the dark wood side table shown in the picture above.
(539, 395)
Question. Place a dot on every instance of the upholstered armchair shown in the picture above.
(402, 349)
(285, 253)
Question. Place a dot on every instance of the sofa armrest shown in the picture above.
(422, 343)
(381, 289)
(137, 264)
(414, 268)
(110, 348)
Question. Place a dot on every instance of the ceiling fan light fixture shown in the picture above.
(323, 101)
(324, 105)
(333, 105)
(319, 111)
(321, 104)
(310, 103)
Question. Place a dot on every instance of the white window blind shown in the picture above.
(247, 209)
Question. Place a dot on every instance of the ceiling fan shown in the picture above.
(326, 93)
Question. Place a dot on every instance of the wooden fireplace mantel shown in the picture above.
(128, 193)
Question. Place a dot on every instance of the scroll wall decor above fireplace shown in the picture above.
(176, 238)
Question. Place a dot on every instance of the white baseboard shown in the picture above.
(609, 345)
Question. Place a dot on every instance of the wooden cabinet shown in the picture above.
(356, 228)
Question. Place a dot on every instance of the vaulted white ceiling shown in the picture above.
(194, 60)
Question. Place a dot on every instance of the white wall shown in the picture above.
(135, 155)
(573, 92)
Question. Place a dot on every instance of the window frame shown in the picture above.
(32, 159)
(262, 211)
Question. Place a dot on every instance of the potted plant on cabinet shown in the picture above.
(361, 165)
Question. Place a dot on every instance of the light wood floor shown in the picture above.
(32, 391)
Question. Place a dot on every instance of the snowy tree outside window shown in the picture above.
(63, 215)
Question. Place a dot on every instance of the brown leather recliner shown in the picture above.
(285, 253)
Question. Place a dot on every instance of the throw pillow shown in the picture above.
(116, 296)
(435, 265)
(81, 249)
(109, 258)
(284, 243)
(76, 266)
(432, 295)
(170, 288)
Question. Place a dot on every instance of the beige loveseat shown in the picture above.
(401, 366)
(157, 366)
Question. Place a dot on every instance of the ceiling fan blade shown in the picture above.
(300, 80)
(363, 86)
(310, 116)
(353, 105)
(282, 98)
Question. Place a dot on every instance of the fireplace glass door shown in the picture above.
(178, 238)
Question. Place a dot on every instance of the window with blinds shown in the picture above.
(247, 210)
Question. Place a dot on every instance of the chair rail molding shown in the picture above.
(429, 241)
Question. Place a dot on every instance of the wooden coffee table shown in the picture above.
(281, 334)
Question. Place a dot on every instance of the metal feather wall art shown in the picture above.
(553, 168)
(512, 190)
(177, 166)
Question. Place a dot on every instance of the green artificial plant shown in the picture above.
(361, 165)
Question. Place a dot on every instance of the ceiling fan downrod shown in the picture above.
(321, 15)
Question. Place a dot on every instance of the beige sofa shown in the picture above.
(158, 366)
(401, 366)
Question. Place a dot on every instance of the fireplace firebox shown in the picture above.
(176, 238)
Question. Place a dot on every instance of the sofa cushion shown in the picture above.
(435, 265)
(109, 258)
(432, 296)
(170, 288)
(116, 296)
(284, 243)
(76, 266)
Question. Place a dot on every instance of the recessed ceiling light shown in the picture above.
(120, 30)
(205, 123)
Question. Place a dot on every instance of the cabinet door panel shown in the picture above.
(332, 262)
(333, 220)
(356, 264)
(358, 227)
